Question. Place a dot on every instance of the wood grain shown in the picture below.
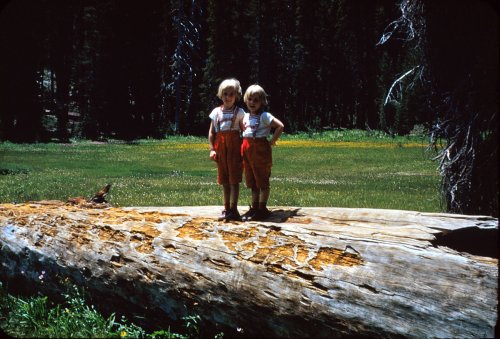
(311, 272)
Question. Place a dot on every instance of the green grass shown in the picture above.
(334, 168)
(38, 317)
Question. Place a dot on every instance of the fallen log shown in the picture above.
(305, 272)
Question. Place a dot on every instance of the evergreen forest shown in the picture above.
(116, 69)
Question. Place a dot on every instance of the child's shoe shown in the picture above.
(233, 214)
(249, 214)
(222, 215)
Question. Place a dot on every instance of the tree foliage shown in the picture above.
(117, 69)
(461, 50)
(457, 43)
(120, 69)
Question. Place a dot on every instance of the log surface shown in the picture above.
(307, 272)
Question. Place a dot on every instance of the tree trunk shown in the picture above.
(305, 272)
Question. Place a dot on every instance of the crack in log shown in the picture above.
(301, 275)
(170, 248)
(218, 264)
(369, 288)
(270, 294)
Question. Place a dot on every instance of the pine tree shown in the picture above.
(21, 37)
(458, 45)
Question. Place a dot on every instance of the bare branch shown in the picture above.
(399, 94)
(405, 24)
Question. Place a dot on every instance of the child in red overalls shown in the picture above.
(225, 145)
(256, 150)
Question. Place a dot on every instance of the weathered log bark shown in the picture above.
(305, 272)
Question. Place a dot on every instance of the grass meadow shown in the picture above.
(354, 169)
(350, 168)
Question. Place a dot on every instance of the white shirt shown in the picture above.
(224, 120)
(257, 126)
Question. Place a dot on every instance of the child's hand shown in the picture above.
(213, 155)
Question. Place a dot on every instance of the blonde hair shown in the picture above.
(230, 83)
(256, 89)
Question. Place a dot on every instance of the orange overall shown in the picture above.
(257, 162)
(229, 167)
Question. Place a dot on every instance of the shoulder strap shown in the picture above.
(220, 115)
(233, 119)
(254, 132)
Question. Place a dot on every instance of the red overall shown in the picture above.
(257, 162)
(229, 167)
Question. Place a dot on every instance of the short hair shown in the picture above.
(230, 83)
(256, 89)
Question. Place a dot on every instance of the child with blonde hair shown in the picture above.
(256, 150)
(225, 145)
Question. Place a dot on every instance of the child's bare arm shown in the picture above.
(240, 122)
(211, 139)
(278, 129)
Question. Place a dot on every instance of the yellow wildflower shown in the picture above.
(350, 144)
(123, 333)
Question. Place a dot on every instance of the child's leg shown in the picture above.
(255, 197)
(262, 213)
(231, 193)
(226, 188)
(255, 205)
(234, 194)
(263, 197)
(262, 168)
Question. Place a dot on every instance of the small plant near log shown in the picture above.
(38, 317)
